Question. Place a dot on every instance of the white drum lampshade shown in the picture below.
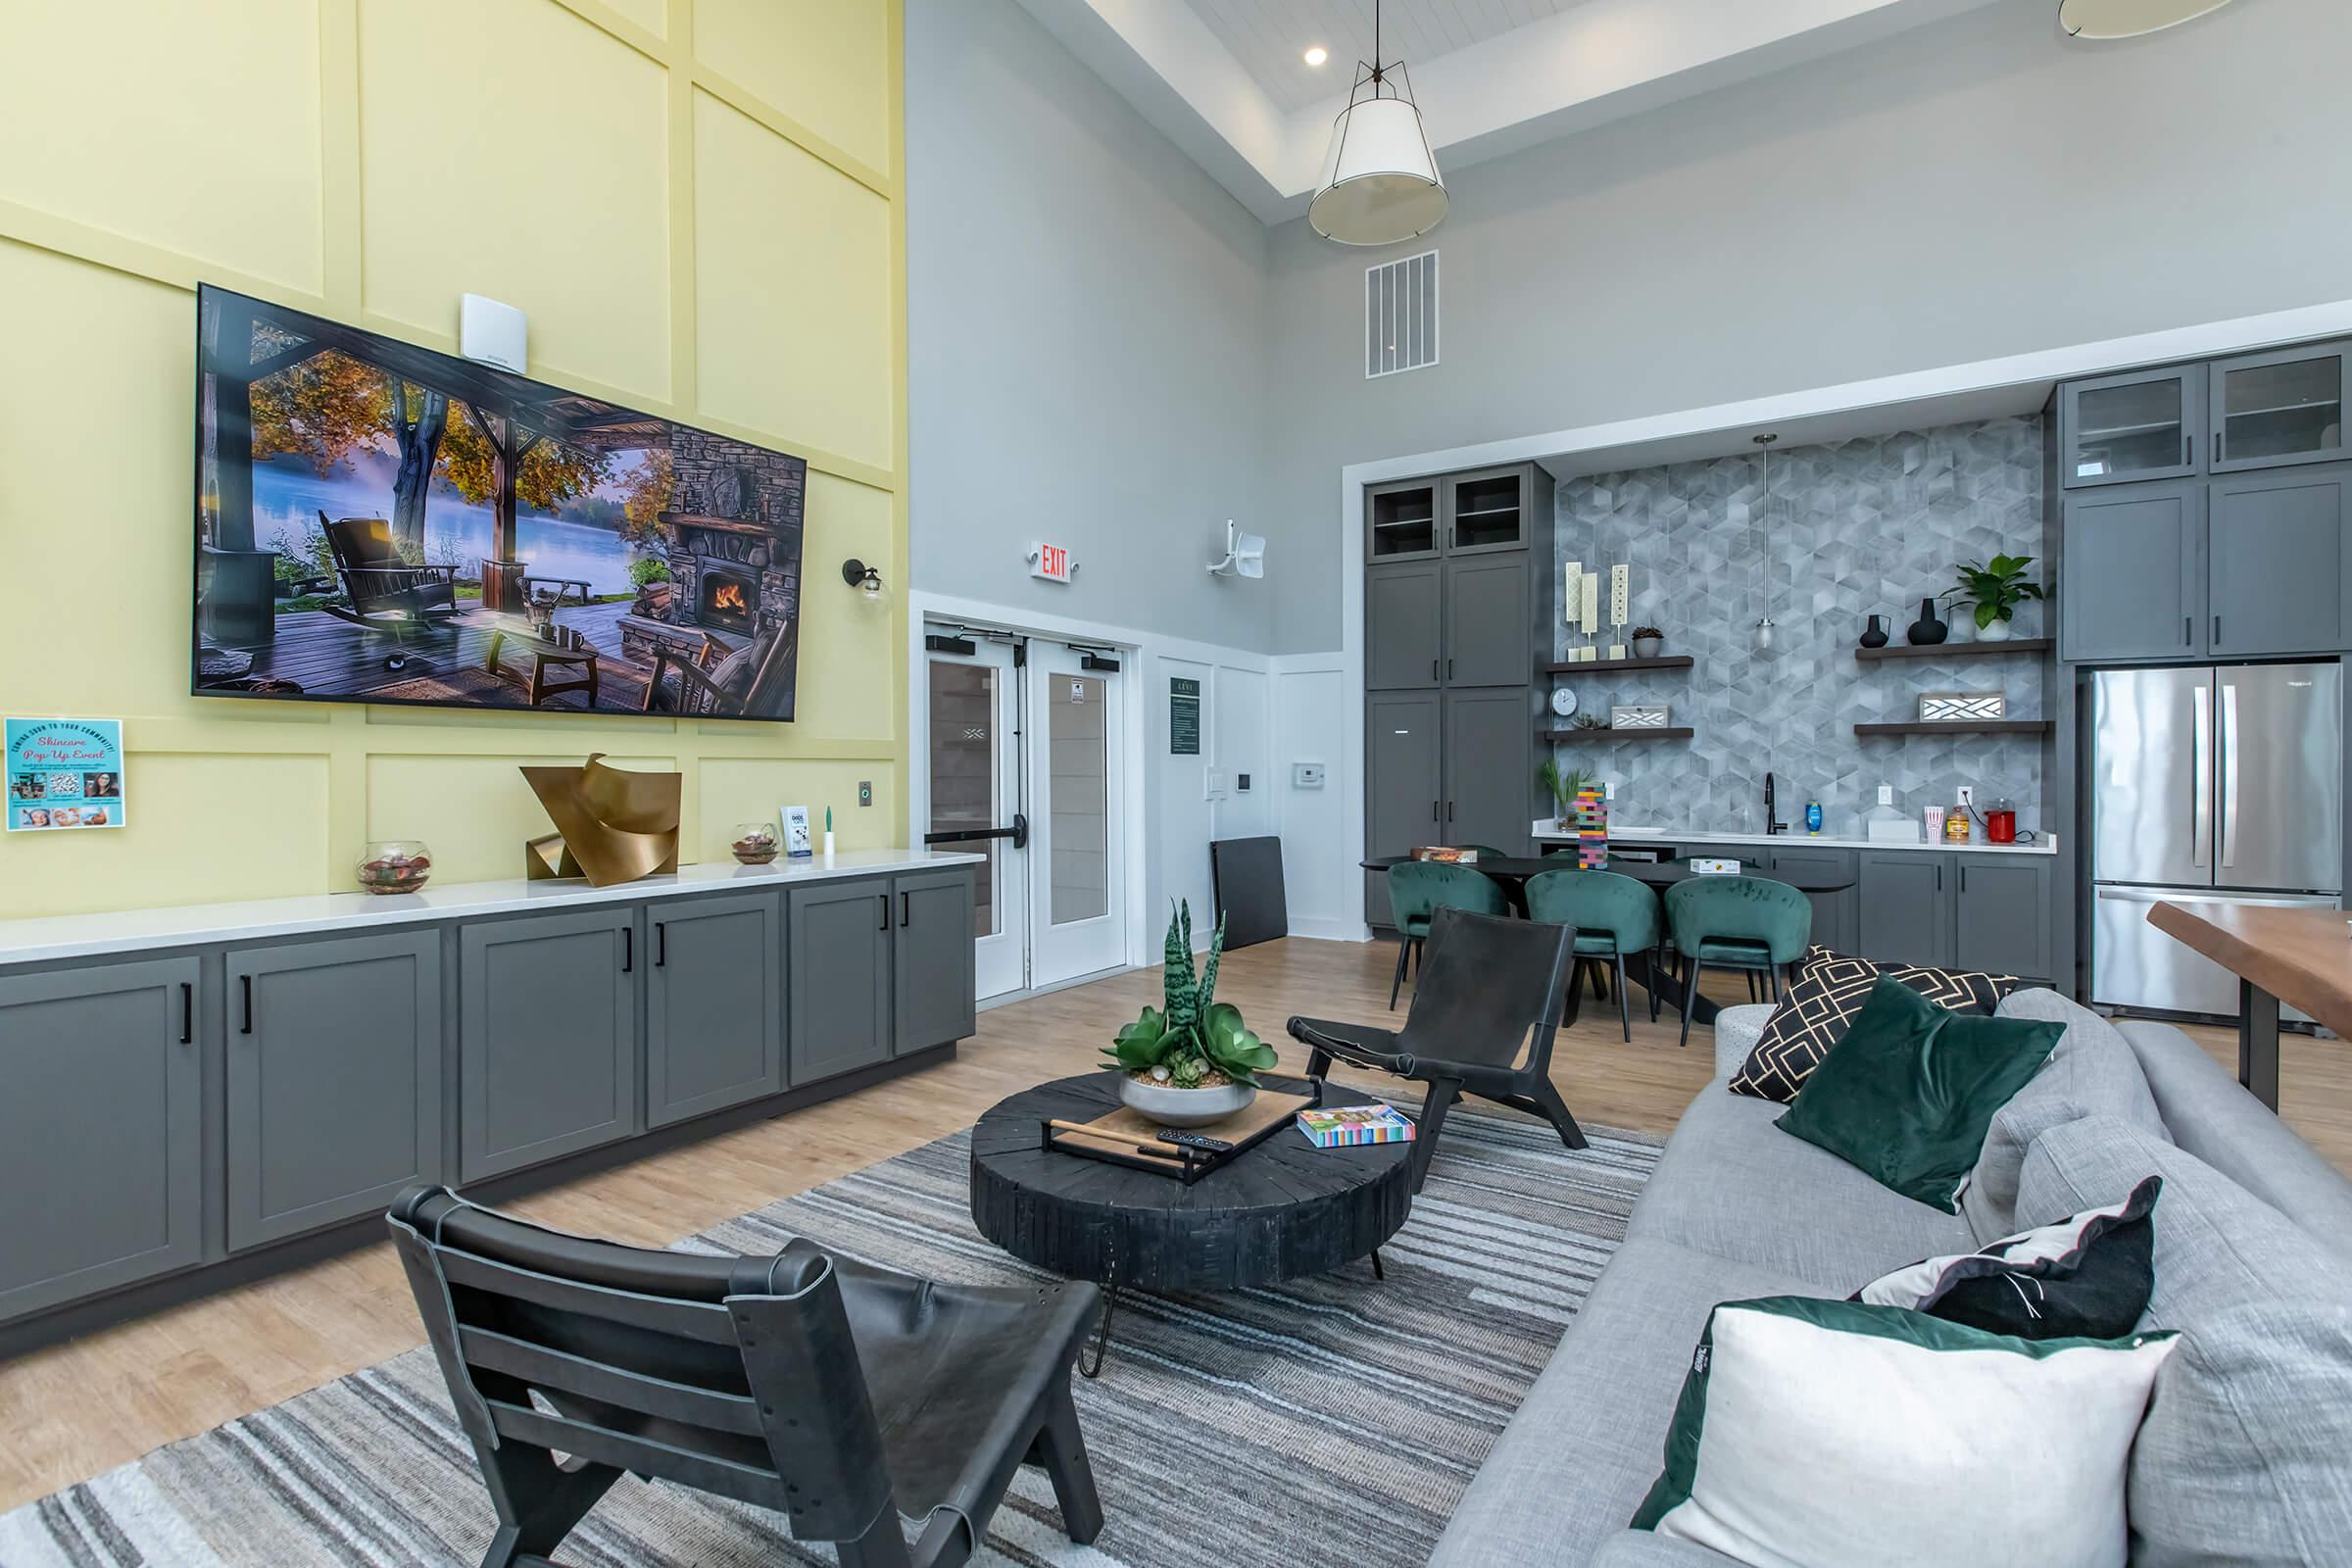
(1380, 180)
(2129, 18)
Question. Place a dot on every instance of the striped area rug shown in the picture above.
(1328, 1417)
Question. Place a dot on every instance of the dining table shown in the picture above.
(2299, 956)
(1511, 873)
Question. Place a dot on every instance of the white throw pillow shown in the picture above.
(1817, 1433)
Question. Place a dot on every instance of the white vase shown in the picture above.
(1171, 1107)
(1996, 631)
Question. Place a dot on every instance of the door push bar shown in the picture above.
(1018, 833)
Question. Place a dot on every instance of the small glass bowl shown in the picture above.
(755, 843)
(395, 865)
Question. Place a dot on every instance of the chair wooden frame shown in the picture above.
(370, 581)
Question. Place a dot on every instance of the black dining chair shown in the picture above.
(844, 1397)
(1484, 1009)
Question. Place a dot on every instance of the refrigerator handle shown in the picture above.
(2201, 766)
(2228, 788)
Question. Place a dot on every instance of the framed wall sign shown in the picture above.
(65, 775)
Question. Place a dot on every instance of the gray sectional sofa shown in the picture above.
(2253, 1262)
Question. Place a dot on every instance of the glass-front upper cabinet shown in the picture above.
(1487, 510)
(2284, 406)
(1401, 518)
(2142, 424)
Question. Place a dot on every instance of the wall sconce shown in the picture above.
(866, 579)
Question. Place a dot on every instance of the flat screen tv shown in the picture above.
(379, 523)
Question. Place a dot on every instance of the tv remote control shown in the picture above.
(1190, 1140)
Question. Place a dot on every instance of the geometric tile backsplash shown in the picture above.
(1860, 527)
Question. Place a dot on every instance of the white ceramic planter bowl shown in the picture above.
(1171, 1107)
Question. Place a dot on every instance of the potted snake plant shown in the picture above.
(1193, 1062)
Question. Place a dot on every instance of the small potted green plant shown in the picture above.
(1648, 642)
(1194, 1062)
(1562, 784)
(1997, 588)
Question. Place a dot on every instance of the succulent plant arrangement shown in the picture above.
(1197, 1042)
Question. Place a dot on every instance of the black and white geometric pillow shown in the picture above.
(2087, 1277)
(1829, 988)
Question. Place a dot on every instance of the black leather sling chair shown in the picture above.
(841, 1396)
(1484, 1009)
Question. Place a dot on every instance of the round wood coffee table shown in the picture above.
(1278, 1211)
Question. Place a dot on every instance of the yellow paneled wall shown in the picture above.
(700, 205)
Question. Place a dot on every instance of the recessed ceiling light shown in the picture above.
(1317, 55)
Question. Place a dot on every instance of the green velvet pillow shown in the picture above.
(1910, 1092)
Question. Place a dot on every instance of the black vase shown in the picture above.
(1927, 630)
(1873, 633)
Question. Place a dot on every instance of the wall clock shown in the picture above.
(1563, 701)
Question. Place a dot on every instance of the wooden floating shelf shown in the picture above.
(1676, 733)
(1596, 667)
(1973, 726)
(2015, 645)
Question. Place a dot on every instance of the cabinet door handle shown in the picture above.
(2189, 447)
(187, 1014)
(885, 925)
(2217, 631)
(245, 983)
(1448, 810)
(661, 944)
(1964, 879)
(2188, 630)
(629, 948)
(1433, 669)
(905, 914)
(1436, 815)
(1450, 670)
(1939, 879)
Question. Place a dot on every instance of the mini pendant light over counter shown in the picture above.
(1380, 181)
(1764, 627)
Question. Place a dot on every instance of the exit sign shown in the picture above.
(1051, 562)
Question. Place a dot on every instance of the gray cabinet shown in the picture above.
(1404, 642)
(1488, 621)
(1404, 783)
(1902, 907)
(2277, 563)
(335, 1080)
(713, 1005)
(101, 1129)
(1401, 520)
(2131, 585)
(931, 959)
(1833, 913)
(2280, 407)
(2001, 915)
(1493, 509)
(840, 1003)
(547, 1037)
(1490, 758)
(2141, 424)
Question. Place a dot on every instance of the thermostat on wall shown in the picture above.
(494, 333)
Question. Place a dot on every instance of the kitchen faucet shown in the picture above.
(1772, 825)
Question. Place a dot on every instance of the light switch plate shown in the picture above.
(1886, 795)
(865, 791)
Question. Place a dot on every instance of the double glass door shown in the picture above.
(1024, 754)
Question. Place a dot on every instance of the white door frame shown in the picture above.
(1146, 653)
(1000, 958)
(1061, 952)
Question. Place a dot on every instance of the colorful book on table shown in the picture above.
(1344, 1126)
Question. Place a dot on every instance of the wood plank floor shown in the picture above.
(82, 1407)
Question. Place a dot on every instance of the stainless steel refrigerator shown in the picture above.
(2223, 782)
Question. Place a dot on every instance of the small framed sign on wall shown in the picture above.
(65, 775)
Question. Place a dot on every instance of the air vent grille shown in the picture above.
(1400, 315)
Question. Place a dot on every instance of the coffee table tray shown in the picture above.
(1126, 1137)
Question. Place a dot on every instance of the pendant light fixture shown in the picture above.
(1380, 180)
(1764, 629)
(2127, 19)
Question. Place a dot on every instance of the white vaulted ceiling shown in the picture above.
(1270, 37)
(1226, 80)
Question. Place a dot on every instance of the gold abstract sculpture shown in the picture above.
(612, 826)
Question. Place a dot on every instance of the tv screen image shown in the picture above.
(380, 523)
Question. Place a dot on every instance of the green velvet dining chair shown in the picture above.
(1613, 915)
(1418, 889)
(1751, 923)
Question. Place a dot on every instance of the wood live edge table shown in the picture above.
(2302, 956)
(1279, 1211)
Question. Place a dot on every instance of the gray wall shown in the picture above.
(1971, 189)
(1087, 338)
(1861, 527)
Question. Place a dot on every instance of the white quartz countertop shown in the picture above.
(1632, 833)
(81, 936)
